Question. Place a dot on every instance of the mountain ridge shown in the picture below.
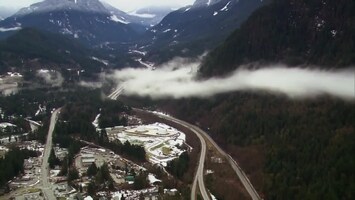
(199, 27)
(94, 6)
(86, 20)
(34, 47)
(291, 32)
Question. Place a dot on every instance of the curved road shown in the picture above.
(199, 175)
(116, 93)
(200, 170)
(46, 186)
(238, 170)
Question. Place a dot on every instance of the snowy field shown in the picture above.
(161, 142)
(133, 194)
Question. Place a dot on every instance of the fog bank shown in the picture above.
(174, 81)
(53, 78)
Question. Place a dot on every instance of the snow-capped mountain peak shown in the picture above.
(86, 20)
(145, 16)
(202, 3)
(93, 6)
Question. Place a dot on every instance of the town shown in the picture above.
(96, 171)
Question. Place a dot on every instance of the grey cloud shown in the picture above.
(52, 78)
(177, 79)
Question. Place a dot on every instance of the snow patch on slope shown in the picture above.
(152, 179)
(225, 8)
(9, 29)
(116, 19)
(105, 62)
(145, 15)
(167, 30)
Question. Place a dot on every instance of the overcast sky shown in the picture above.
(125, 5)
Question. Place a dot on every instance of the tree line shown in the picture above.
(179, 166)
(76, 123)
(13, 164)
(303, 149)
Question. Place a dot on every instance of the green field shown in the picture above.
(166, 150)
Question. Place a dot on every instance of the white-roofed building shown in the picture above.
(88, 198)
(87, 159)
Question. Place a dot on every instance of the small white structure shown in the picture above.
(87, 159)
(88, 198)
(4, 125)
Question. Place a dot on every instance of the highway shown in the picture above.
(200, 171)
(238, 170)
(46, 186)
(116, 93)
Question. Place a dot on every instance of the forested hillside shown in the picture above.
(293, 32)
(46, 48)
(192, 30)
(291, 149)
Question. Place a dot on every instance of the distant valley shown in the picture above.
(220, 99)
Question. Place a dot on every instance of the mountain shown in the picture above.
(151, 16)
(204, 3)
(91, 6)
(147, 17)
(30, 47)
(86, 20)
(292, 32)
(119, 14)
(290, 149)
(199, 27)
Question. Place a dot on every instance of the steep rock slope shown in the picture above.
(197, 28)
(294, 32)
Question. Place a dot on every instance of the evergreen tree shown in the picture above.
(73, 174)
(12, 164)
(53, 160)
(92, 170)
(179, 166)
(141, 181)
(91, 189)
(105, 172)
(64, 168)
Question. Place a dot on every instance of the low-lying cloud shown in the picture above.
(51, 77)
(174, 81)
(93, 85)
